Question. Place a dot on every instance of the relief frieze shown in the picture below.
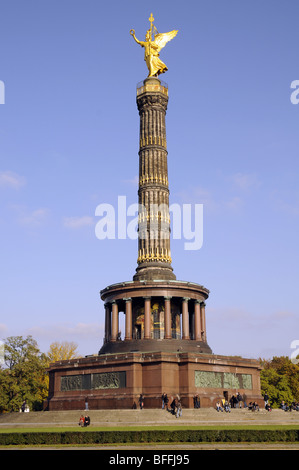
(207, 379)
(102, 381)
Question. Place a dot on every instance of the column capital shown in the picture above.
(198, 301)
(166, 297)
(128, 299)
(185, 299)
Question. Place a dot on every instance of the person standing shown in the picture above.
(266, 398)
(196, 401)
(239, 400)
(141, 401)
(86, 403)
(179, 409)
(166, 401)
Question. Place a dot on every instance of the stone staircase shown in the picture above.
(148, 417)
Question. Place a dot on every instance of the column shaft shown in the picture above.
(185, 319)
(197, 322)
(147, 318)
(128, 333)
(203, 321)
(154, 256)
(107, 322)
(167, 318)
(115, 328)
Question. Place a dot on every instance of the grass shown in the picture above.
(252, 427)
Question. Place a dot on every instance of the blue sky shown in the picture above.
(69, 133)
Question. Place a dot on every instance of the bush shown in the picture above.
(113, 437)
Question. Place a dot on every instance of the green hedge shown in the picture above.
(113, 437)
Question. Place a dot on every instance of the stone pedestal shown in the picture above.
(115, 381)
(164, 350)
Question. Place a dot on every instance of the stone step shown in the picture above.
(150, 417)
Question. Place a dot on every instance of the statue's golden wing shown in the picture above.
(162, 38)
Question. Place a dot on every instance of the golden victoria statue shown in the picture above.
(153, 47)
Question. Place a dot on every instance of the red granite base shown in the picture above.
(115, 381)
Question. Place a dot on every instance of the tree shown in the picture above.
(62, 351)
(280, 378)
(23, 376)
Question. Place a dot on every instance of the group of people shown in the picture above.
(174, 405)
(236, 401)
(84, 421)
(239, 401)
(283, 406)
(254, 406)
(223, 406)
(294, 406)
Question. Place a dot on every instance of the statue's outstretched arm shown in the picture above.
(132, 32)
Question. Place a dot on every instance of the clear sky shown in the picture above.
(69, 133)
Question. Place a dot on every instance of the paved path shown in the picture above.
(159, 448)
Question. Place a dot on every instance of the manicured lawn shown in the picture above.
(146, 428)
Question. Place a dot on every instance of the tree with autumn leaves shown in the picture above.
(23, 374)
(62, 351)
(280, 379)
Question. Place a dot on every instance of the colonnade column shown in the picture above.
(114, 332)
(147, 317)
(107, 322)
(112, 320)
(167, 318)
(197, 321)
(128, 332)
(203, 321)
(185, 318)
